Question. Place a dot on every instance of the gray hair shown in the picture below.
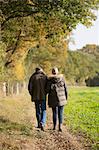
(38, 69)
(55, 70)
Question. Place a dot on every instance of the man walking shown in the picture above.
(36, 88)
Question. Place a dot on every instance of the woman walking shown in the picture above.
(57, 96)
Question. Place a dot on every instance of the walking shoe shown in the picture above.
(41, 126)
(60, 127)
(54, 128)
(60, 130)
(38, 126)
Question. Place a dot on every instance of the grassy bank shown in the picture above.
(15, 115)
(82, 111)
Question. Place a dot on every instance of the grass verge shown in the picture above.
(81, 113)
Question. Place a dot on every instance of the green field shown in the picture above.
(82, 113)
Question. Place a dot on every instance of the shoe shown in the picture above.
(60, 130)
(38, 126)
(60, 127)
(54, 128)
(41, 126)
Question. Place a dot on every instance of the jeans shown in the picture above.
(57, 111)
(41, 112)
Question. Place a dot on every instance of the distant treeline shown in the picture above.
(93, 81)
(82, 66)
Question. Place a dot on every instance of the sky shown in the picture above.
(83, 35)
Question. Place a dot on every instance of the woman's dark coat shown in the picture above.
(57, 91)
(36, 86)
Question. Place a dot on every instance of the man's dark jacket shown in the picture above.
(37, 85)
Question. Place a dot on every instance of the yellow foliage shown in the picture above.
(46, 65)
(19, 71)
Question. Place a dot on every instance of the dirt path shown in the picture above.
(55, 140)
(39, 140)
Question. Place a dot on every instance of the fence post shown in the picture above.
(4, 89)
(17, 88)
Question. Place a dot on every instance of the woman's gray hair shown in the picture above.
(55, 70)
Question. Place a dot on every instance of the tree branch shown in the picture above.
(16, 16)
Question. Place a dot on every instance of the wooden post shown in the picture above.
(17, 88)
(12, 89)
(4, 89)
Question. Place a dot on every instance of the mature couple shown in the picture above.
(39, 86)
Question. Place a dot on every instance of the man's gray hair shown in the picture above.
(38, 69)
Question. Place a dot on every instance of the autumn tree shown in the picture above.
(28, 22)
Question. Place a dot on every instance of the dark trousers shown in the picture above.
(57, 111)
(40, 112)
